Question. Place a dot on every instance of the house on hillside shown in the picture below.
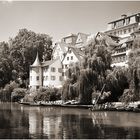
(45, 74)
(72, 56)
(60, 50)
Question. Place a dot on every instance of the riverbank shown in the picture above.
(114, 106)
(54, 104)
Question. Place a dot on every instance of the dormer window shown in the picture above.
(127, 21)
(113, 25)
(119, 23)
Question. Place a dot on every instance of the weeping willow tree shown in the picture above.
(133, 94)
(117, 82)
(95, 66)
(90, 75)
(70, 90)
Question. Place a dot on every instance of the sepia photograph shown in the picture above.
(69, 69)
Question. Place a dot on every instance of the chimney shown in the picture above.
(123, 16)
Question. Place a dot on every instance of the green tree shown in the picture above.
(24, 47)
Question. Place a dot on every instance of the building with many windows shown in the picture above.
(124, 26)
(124, 29)
(120, 35)
(45, 74)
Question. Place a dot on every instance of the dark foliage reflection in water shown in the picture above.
(18, 121)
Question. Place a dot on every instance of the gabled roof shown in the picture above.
(82, 36)
(36, 62)
(50, 62)
(108, 39)
(76, 52)
(63, 46)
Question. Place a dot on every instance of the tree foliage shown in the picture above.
(134, 71)
(90, 75)
(19, 53)
(24, 48)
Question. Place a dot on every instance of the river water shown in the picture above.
(21, 121)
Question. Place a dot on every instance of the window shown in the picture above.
(123, 58)
(52, 78)
(52, 69)
(67, 58)
(127, 21)
(124, 31)
(37, 78)
(71, 57)
(129, 30)
(60, 78)
(46, 69)
(66, 66)
(37, 87)
(60, 70)
(69, 51)
(63, 74)
(113, 25)
(120, 23)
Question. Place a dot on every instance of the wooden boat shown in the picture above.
(120, 108)
(35, 103)
(24, 103)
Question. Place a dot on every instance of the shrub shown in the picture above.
(18, 93)
(43, 94)
(5, 93)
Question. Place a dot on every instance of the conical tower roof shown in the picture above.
(36, 62)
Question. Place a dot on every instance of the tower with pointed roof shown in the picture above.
(35, 74)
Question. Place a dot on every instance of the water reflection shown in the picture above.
(18, 121)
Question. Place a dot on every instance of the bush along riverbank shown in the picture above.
(117, 106)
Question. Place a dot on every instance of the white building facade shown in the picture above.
(45, 74)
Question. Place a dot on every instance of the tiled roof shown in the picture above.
(108, 39)
(63, 46)
(78, 53)
(47, 63)
(129, 40)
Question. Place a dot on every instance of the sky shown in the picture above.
(61, 18)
